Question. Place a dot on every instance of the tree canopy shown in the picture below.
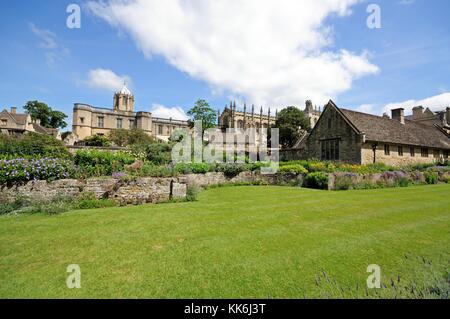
(290, 122)
(48, 117)
(124, 137)
(201, 111)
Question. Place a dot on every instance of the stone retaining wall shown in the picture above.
(335, 180)
(137, 191)
(157, 190)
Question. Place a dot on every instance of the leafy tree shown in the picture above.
(97, 140)
(290, 122)
(202, 112)
(48, 117)
(124, 137)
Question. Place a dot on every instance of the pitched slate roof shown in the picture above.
(20, 119)
(382, 129)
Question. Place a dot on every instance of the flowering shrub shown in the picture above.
(295, 169)
(23, 170)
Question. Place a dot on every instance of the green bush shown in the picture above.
(32, 146)
(232, 170)
(318, 180)
(159, 153)
(125, 137)
(97, 140)
(194, 168)
(431, 177)
(101, 163)
(294, 168)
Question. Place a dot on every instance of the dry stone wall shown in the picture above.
(157, 190)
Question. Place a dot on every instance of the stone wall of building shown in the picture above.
(395, 158)
(332, 126)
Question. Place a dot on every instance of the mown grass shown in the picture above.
(236, 242)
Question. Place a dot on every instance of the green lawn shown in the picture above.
(251, 242)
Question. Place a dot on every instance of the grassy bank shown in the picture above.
(262, 242)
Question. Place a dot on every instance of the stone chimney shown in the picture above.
(417, 112)
(399, 115)
(13, 110)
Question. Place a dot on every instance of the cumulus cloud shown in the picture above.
(175, 112)
(264, 51)
(435, 103)
(106, 79)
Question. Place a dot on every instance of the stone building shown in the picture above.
(427, 117)
(360, 138)
(90, 120)
(312, 113)
(13, 123)
(233, 118)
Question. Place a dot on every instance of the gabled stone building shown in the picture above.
(360, 138)
(13, 123)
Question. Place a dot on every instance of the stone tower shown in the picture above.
(124, 100)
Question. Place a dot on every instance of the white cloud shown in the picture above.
(435, 103)
(48, 38)
(54, 52)
(366, 108)
(107, 80)
(264, 51)
(406, 2)
(162, 111)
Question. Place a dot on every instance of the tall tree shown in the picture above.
(201, 111)
(290, 122)
(49, 118)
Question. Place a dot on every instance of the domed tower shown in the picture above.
(124, 100)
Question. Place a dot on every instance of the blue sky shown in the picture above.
(406, 62)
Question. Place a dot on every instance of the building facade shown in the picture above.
(243, 119)
(360, 138)
(231, 118)
(13, 123)
(89, 120)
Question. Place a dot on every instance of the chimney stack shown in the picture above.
(13, 110)
(399, 115)
(417, 112)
